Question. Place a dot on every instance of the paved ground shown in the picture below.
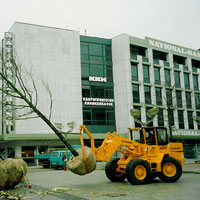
(50, 184)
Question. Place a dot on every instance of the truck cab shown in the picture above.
(56, 159)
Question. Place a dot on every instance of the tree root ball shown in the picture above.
(77, 164)
(12, 172)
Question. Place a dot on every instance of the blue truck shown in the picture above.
(54, 159)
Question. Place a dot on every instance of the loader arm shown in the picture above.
(109, 146)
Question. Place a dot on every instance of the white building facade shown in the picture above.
(96, 82)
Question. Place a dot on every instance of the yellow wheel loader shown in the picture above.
(144, 156)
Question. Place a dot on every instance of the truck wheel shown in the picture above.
(111, 172)
(171, 170)
(138, 171)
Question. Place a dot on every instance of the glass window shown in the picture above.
(95, 49)
(84, 48)
(99, 116)
(195, 81)
(181, 119)
(171, 117)
(97, 92)
(136, 94)
(148, 117)
(188, 99)
(179, 99)
(167, 77)
(85, 70)
(147, 94)
(109, 73)
(190, 120)
(158, 96)
(134, 71)
(160, 117)
(157, 75)
(162, 136)
(87, 117)
(108, 52)
(169, 97)
(139, 118)
(96, 70)
(177, 79)
(198, 114)
(146, 74)
(187, 81)
(197, 100)
(109, 93)
(86, 91)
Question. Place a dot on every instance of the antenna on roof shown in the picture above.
(85, 32)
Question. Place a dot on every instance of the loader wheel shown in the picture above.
(171, 170)
(138, 171)
(111, 172)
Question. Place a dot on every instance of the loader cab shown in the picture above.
(149, 135)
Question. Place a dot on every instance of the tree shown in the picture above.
(15, 87)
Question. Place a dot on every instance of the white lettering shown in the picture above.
(97, 79)
(174, 48)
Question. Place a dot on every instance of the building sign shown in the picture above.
(97, 79)
(98, 102)
(186, 132)
(8, 113)
(177, 49)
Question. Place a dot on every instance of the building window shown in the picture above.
(177, 79)
(187, 81)
(146, 74)
(139, 118)
(198, 114)
(86, 91)
(159, 55)
(85, 72)
(134, 72)
(137, 50)
(195, 82)
(95, 49)
(160, 118)
(179, 99)
(157, 75)
(167, 77)
(109, 93)
(190, 120)
(136, 94)
(147, 117)
(188, 99)
(171, 117)
(197, 100)
(169, 97)
(109, 74)
(158, 96)
(147, 94)
(181, 119)
(96, 70)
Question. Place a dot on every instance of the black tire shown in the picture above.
(111, 173)
(138, 172)
(171, 170)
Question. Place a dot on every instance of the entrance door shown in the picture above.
(28, 155)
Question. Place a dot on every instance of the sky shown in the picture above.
(174, 21)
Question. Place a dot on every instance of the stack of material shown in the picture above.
(12, 172)
(77, 164)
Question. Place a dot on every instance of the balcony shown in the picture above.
(176, 66)
(155, 61)
(144, 59)
(166, 63)
(133, 57)
(185, 68)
